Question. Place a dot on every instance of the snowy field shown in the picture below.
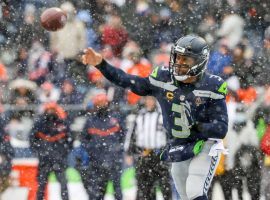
(77, 192)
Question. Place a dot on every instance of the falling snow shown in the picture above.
(63, 123)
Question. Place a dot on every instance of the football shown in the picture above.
(53, 19)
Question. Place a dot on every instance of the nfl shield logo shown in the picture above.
(198, 101)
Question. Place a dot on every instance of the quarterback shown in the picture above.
(193, 108)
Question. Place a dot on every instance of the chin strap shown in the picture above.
(185, 77)
(181, 78)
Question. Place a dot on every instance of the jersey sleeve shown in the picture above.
(217, 111)
(138, 85)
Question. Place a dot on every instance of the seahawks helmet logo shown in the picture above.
(180, 49)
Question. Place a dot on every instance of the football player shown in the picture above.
(193, 108)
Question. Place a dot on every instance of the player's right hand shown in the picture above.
(91, 57)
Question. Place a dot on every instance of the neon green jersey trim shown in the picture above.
(154, 72)
(198, 147)
(223, 88)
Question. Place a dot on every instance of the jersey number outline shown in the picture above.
(182, 120)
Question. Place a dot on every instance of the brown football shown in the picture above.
(53, 19)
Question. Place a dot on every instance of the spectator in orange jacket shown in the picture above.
(142, 67)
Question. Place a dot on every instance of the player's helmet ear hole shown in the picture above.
(188, 49)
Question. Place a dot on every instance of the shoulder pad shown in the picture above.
(161, 73)
(212, 86)
(218, 84)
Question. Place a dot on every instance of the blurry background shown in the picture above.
(38, 67)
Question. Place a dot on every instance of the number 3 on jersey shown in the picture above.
(182, 120)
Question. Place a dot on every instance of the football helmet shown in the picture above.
(191, 46)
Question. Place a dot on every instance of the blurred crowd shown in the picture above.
(43, 80)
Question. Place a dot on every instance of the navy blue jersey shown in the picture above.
(51, 137)
(183, 105)
(103, 137)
